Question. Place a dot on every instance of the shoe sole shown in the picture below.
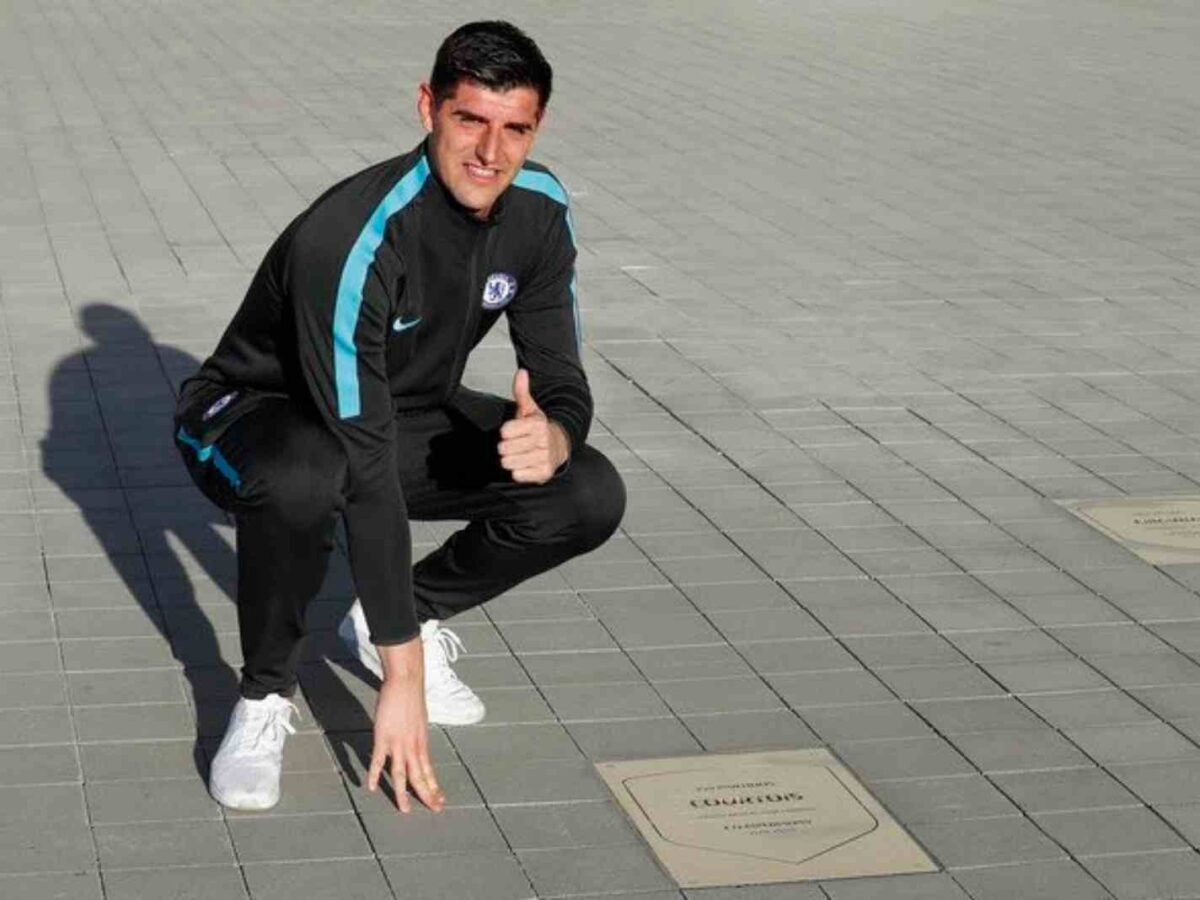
(356, 643)
(460, 720)
(243, 807)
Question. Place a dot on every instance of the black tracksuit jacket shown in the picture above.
(369, 303)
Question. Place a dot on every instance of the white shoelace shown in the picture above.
(448, 647)
(276, 725)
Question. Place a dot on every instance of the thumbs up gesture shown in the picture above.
(531, 446)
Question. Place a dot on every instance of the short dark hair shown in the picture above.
(497, 55)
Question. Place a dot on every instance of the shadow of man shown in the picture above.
(109, 447)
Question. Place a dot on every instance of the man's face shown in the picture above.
(479, 139)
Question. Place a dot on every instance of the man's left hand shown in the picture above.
(531, 446)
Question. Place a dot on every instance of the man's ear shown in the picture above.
(425, 105)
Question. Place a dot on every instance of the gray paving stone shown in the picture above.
(163, 844)
(1040, 676)
(809, 655)
(542, 637)
(766, 625)
(39, 689)
(565, 825)
(547, 740)
(634, 739)
(157, 800)
(141, 759)
(1133, 743)
(605, 666)
(706, 661)
(757, 595)
(1008, 645)
(41, 847)
(82, 885)
(38, 765)
(904, 650)
(984, 714)
(925, 757)
(543, 781)
(1110, 640)
(462, 830)
(106, 654)
(58, 803)
(1055, 880)
(769, 730)
(143, 721)
(1161, 783)
(886, 618)
(872, 721)
(515, 706)
(35, 726)
(1064, 789)
(584, 703)
(1146, 670)
(305, 792)
(1109, 831)
(274, 838)
(1148, 876)
(110, 688)
(939, 682)
(456, 782)
(30, 656)
(955, 615)
(1023, 750)
(558, 873)
(350, 879)
(895, 887)
(1088, 708)
(643, 630)
(718, 695)
(459, 876)
(1185, 819)
(943, 799)
(817, 689)
(191, 883)
(758, 892)
(982, 842)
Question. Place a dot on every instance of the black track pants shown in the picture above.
(281, 472)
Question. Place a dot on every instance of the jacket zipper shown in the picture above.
(481, 250)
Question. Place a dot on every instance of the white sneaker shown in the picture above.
(246, 770)
(447, 700)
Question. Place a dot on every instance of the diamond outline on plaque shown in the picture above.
(838, 841)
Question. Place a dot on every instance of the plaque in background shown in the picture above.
(1161, 530)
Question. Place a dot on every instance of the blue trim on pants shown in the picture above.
(204, 454)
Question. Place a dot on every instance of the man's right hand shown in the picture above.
(402, 729)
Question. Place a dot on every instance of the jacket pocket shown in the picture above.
(210, 414)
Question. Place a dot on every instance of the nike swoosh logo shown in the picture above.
(402, 325)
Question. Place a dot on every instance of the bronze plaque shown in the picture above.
(759, 818)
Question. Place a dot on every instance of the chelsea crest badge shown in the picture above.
(499, 290)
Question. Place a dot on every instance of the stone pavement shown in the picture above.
(867, 286)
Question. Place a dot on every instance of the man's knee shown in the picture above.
(300, 481)
(593, 500)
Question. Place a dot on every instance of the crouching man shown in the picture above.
(335, 391)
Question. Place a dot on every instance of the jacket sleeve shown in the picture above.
(342, 311)
(543, 323)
